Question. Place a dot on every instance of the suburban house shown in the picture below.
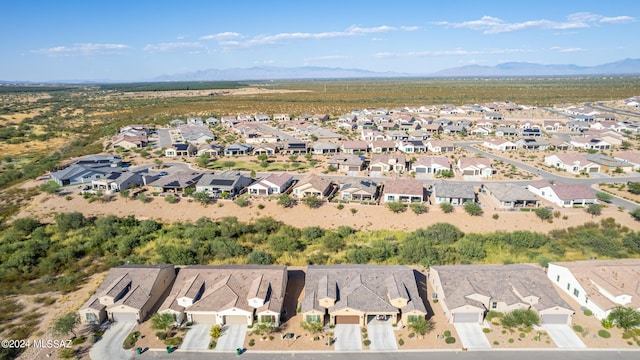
(226, 184)
(238, 149)
(118, 181)
(266, 149)
(351, 147)
(480, 131)
(128, 293)
(563, 194)
(80, 174)
(531, 132)
(440, 146)
(430, 165)
(181, 150)
(559, 144)
(454, 194)
(382, 146)
(506, 131)
(388, 163)
(227, 294)
(609, 164)
(324, 147)
(552, 125)
(475, 166)
(212, 150)
(347, 162)
(295, 148)
(631, 157)
(532, 143)
(599, 285)
(359, 294)
(281, 117)
(196, 134)
(512, 196)
(493, 115)
(312, 185)
(129, 141)
(176, 182)
(403, 190)
(360, 190)
(573, 163)
(499, 144)
(468, 292)
(411, 146)
(272, 184)
(589, 143)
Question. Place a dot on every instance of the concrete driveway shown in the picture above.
(471, 336)
(347, 337)
(232, 337)
(564, 337)
(110, 344)
(381, 335)
(197, 337)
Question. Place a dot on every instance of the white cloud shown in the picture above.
(493, 25)
(409, 28)
(376, 39)
(222, 36)
(451, 52)
(562, 49)
(85, 49)
(316, 59)
(173, 47)
(382, 55)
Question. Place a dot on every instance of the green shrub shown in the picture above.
(175, 341)
(131, 339)
(161, 335)
(486, 330)
(260, 206)
(522, 335)
(252, 342)
(493, 314)
(447, 333)
(511, 341)
(400, 342)
(79, 340)
(450, 340)
(606, 323)
(367, 342)
(340, 207)
(588, 312)
(578, 328)
(412, 335)
(67, 353)
(604, 334)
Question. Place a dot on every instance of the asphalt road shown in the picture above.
(551, 354)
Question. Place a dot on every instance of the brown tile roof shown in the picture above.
(571, 192)
(315, 181)
(356, 145)
(390, 159)
(404, 186)
(277, 179)
(478, 162)
(632, 157)
(431, 160)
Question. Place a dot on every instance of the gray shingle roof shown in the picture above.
(510, 192)
(450, 190)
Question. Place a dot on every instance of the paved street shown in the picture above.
(109, 347)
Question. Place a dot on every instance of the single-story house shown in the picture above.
(506, 131)
(238, 149)
(175, 182)
(467, 292)
(361, 190)
(631, 157)
(382, 146)
(430, 165)
(213, 150)
(589, 143)
(559, 144)
(347, 162)
(271, 184)
(599, 285)
(295, 148)
(80, 174)
(440, 146)
(388, 163)
(475, 166)
(324, 147)
(403, 190)
(511, 196)
(128, 293)
(573, 163)
(217, 185)
(454, 194)
(531, 132)
(480, 131)
(609, 164)
(129, 142)
(499, 144)
(227, 294)
(563, 194)
(532, 143)
(411, 146)
(118, 181)
(358, 294)
(181, 150)
(196, 134)
(351, 147)
(266, 149)
(552, 125)
(312, 185)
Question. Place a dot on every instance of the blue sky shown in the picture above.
(139, 40)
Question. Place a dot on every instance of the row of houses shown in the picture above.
(579, 163)
(358, 294)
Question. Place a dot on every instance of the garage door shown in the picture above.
(376, 168)
(125, 317)
(203, 318)
(235, 319)
(421, 170)
(555, 319)
(347, 319)
(468, 172)
(466, 317)
(354, 168)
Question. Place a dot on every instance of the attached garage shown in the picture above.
(558, 319)
(468, 172)
(347, 319)
(421, 170)
(203, 318)
(594, 169)
(125, 317)
(376, 168)
(235, 319)
(466, 318)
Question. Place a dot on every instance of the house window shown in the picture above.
(558, 278)
(494, 305)
(568, 286)
(414, 318)
(91, 317)
(267, 319)
(576, 292)
(313, 318)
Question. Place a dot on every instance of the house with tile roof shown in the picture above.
(382, 146)
(430, 165)
(312, 185)
(388, 163)
(403, 190)
(347, 162)
(359, 190)
(128, 293)
(610, 164)
(467, 292)
(272, 184)
(511, 196)
(229, 182)
(454, 194)
(354, 146)
(227, 294)
(563, 194)
(573, 163)
(440, 146)
(475, 166)
(599, 285)
(499, 144)
(118, 181)
(631, 157)
(324, 147)
(590, 143)
(358, 294)
(176, 182)
(181, 150)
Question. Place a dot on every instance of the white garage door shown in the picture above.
(204, 318)
(555, 319)
(235, 319)
(466, 317)
(124, 317)
(421, 170)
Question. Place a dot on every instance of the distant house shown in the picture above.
(587, 143)
(324, 147)
(262, 118)
(492, 115)
(196, 134)
(440, 146)
(378, 147)
(312, 185)
(430, 165)
(294, 148)
(573, 163)
(361, 190)
(81, 174)
(403, 190)
(512, 196)
(176, 182)
(357, 146)
(272, 184)
(563, 194)
(347, 162)
(475, 166)
(454, 194)
(559, 144)
(181, 150)
(631, 157)
(531, 132)
(552, 125)
(480, 131)
(610, 164)
(499, 144)
(212, 150)
(432, 128)
(127, 294)
(388, 163)
(238, 149)
(266, 149)
(468, 292)
(118, 181)
(216, 185)
(411, 146)
(532, 143)
(129, 141)
(506, 131)
(281, 117)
